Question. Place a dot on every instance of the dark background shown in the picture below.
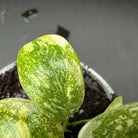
(103, 33)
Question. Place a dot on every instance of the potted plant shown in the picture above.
(51, 75)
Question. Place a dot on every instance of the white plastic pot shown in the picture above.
(94, 75)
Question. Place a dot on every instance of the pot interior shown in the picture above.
(95, 102)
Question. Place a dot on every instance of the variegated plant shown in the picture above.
(20, 118)
(50, 73)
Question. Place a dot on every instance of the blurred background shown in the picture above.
(104, 33)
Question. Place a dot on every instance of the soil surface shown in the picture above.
(95, 101)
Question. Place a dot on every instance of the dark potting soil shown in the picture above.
(95, 101)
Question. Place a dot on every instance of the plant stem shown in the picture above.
(78, 122)
(65, 124)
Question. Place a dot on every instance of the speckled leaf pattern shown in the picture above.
(20, 118)
(118, 101)
(121, 122)
(50, 73)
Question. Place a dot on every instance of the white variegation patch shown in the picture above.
(61, 41)
(68, 92)
(134, 109)
(58, 107)
(122, 117)
(134, 115)
(119, 127)
(130, 122)
(50, 107)
(54, 39)
(105, 132)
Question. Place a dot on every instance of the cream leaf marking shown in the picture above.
(49, 107)
(119, 127)
(133, 109)
(68, 92)
(23, 130)
(55, 40)
(130, 122)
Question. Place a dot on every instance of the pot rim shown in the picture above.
(106, 87)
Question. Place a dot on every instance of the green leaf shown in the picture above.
(115, 104)
(121, 122)
(50, 73)
(20, 118)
